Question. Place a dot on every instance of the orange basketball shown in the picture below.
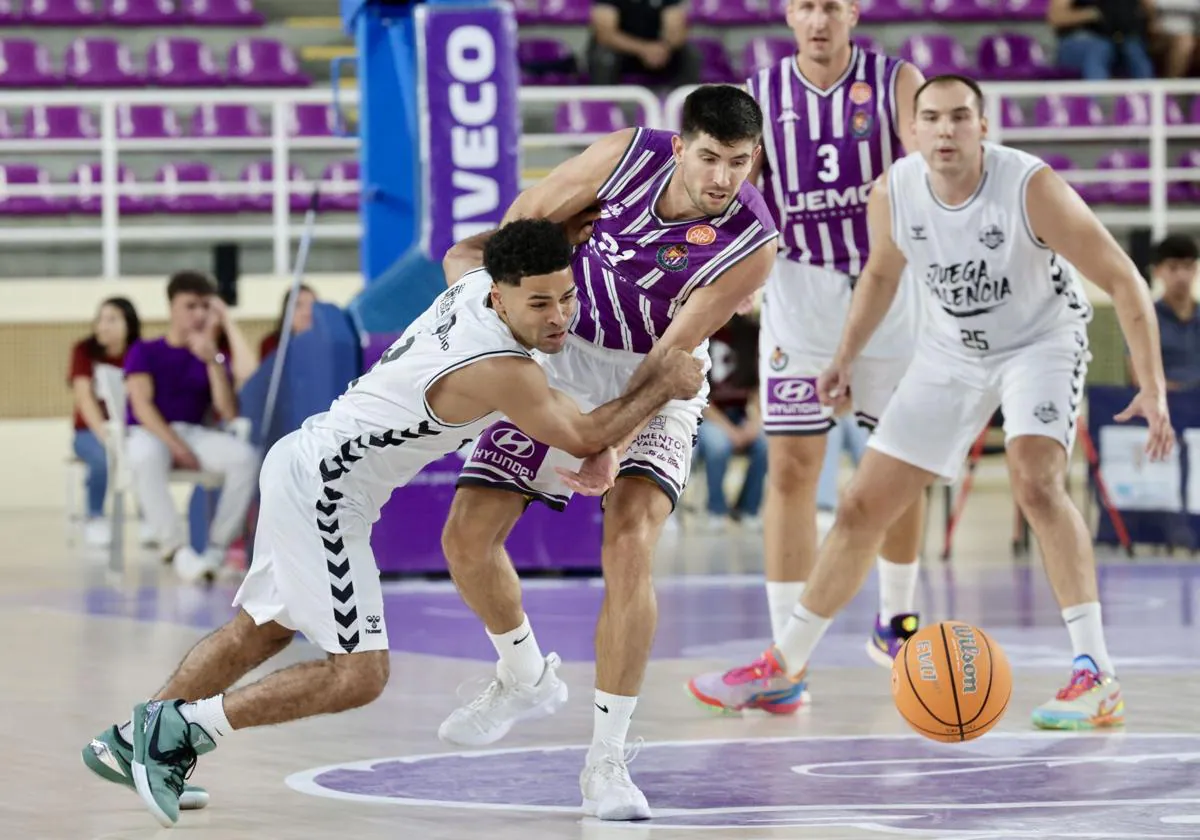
(951, 682)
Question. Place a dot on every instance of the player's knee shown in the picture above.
(361, 677)
(856, 512)
(1036, 489)
(796, 462)
(469, 535)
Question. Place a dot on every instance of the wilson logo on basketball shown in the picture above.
(968, 650)
(925, 658)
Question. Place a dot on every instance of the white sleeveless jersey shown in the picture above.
(381, 431)
(990, 284)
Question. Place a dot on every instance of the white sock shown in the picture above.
(612, 714)
(209, 715)
(126, 730)
(519, 651)
(897, 589)
(799, 639)
(1087, 634)
(782, 598)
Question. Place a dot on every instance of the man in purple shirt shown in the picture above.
(174, 384)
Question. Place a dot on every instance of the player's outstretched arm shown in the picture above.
(1061, 220)
(518, 389)
(908, 80)
(573, 185)
(877, 285)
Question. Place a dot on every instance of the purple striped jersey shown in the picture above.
(637, 270)
(824, 149)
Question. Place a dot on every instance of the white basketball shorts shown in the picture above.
(506, 458)
(945, 401)
(804, 311)
(313, 569)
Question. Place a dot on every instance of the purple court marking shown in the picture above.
(1005, 784)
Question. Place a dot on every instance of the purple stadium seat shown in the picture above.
(311, 119)
(60, 122)
(26, 64)
(765, 52)
(147, 122)
(338, 174)
(1011, 57)
(868, 43)
(963, 10)
(726, 13)
(88, 200)
(262, 172)
(889, 11)
(529, 12)
(1067, 112)
(714, 61)
(1134, 109)
(101, 62)
(182, 62)
(1186, 190)
(9, 15)
(1011, 114)
(1025, 10)
(935, 54)
(576, 117)
(259, 62)
(1126, 192)
(143, 13)
(61, 13)
(221, 13)
(172, 174)
(227, 121)
(26, 174)
(565, 11)
(546, 61)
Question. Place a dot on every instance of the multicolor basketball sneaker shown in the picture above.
(1091, 700)
(110, 757)
(763, 684)
(888, 638)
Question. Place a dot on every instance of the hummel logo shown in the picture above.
(373, 621)
(602, 708)
(523, 638)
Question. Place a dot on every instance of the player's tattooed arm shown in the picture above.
(908, 80)
(1059, 219)
(518, 388)
(573, 185)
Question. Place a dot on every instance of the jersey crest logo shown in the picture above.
(1047, 412)
(779, 359)
(672, 257)
(701, 235)
(860, 93)
(992, 237)
(860, 123)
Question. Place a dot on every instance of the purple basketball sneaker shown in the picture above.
(888, 638)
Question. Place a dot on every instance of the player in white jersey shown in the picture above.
(994, 236)
(469, 358)
(835, 117)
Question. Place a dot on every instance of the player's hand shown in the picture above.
(579, 226)
(595, 475)
(833, 386)
(682, 372)
(1153, 407)
(202, 347)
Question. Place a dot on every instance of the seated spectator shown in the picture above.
(1174, 28)
(1095, 36)
(231, 341)
(641, 36)
(116, 327)
(175, 384)
(732, 423)
(302, 320)
(1174, 266)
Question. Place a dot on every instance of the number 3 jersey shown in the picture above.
(637, 270)
(990, 285)
(382, 431)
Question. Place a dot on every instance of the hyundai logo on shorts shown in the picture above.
(514, 442)
(793, 391)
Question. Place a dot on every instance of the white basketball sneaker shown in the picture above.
(504, 702)
(608, 792)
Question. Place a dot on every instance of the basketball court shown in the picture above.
(91, 644)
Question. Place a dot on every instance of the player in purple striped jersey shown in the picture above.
(680, 241)
(835, 116)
